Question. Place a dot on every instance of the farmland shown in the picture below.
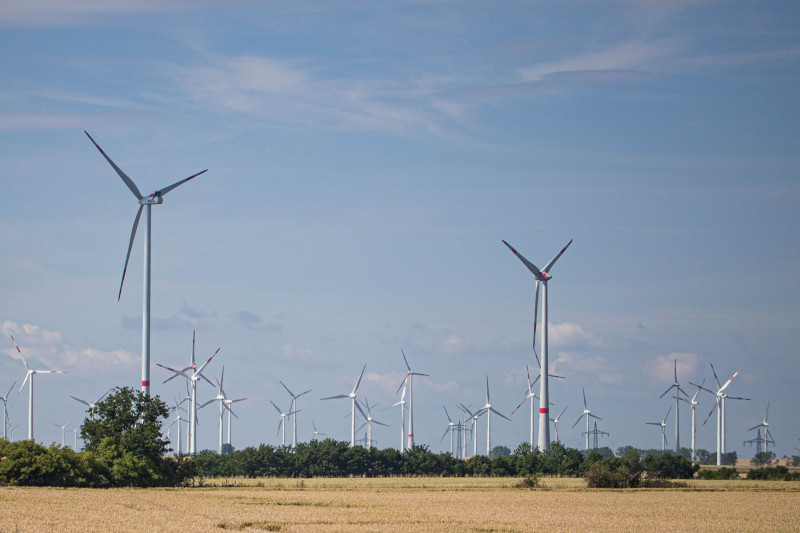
(408, 504)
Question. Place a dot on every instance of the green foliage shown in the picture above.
(611, 473)
(773, 473)
(794, 460)
(669, 466)
(729, 458)
(720, 473)
(500, 451)
(762, 458)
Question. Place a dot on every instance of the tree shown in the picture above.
(500, 451)
(762, 458)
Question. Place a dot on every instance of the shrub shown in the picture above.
(721, 473)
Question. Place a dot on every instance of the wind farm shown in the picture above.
(342, 182)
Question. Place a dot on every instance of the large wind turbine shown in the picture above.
(354, 406)
(220, 397)
(663, 426)
(5, 409)
(587, 413)
(408, 380)
(154, 198)
(542, 277)
(720, 407)
(29, 379)
(530, 395)
(293, 407)
(678, 391)
(192, 374)
(488, 409)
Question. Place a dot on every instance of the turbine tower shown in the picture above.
(29, 379)
(586, 413)
(220, 397)
(154, 198)
(281, 424)
(408, 380)
(293, 407)
(354, 406)
(542, 277)
(368, 422)
(402, 404)
(63, 430)
(474, 418)
(450, 427)
(663, 426)
(678, 391)
(720, 396)
(192, 374)
(693, 403)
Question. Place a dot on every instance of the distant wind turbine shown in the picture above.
(408, 381)
(5, 409)
(293, 407)
(678, 391)
(474, 419)
(92, 405)
(450, 427)
(282, 423)
(663, 426)
(767, 435)
(720, 396)
(488, 409)
(220, 397)
(369, 423)
(154, 198)
(354, 406)
(542, 277)
(316, 433)
(586, 413)
(29, 379)
(63, 429)
(556, 420)
(693, 403)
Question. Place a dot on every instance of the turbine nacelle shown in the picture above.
(151, 200)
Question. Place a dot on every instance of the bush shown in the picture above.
(721, 473)
(773, 473)
(611, 473)
(669, 466)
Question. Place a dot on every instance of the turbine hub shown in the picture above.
(152, 200)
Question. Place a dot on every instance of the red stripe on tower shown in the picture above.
(145, 383)
(544, 410)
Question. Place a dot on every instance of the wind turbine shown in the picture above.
(293, 407)
(63, 429)
(720, 407)
(767, 434)
(29, 379)
(154, 198)
(75, 444)
(587, 413)
(663, 426)
(354, 406)
(693, 403)
(228, 405)
(92, 406)
(220, 397)
(281, 424)
(192, 374)
(316, 433)
(409, 380)
(678, 391)
(5, 409)
(474, 418)
(178, 419)
(542, 277)
(555, 421)
(369, 423)
(530, 395)
(402, 404)
(488, 409)
(450, 427)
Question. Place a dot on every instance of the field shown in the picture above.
(400, 504)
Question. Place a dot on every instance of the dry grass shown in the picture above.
(415, 504)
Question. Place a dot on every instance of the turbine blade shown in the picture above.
(405, 359)
(536, 320)
(594, 416)
(729, 381)
(402, 384)
(82, 401)
(666, 391)
(199, 370)
(379, 423)
(709, 414)
(360, 410)
(359, 379)
(276, 407)
(336, 397)
(24, 362)
(130, 246)
(562, 412)
(584, 399)
(534, 270)
(576, 422)
(165, 190)
(303, 393)
(446, 431)
(552, 262)
(498, 413)
(129, 182)
(100, 399)
(447, 414)
(287, 388)
(715, 376)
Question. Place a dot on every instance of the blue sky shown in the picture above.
(365, 161)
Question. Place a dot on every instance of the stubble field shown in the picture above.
(419, 504)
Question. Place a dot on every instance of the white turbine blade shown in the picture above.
(534, 270)
(729, 381)
(303, 393)
(715, 376)
(207, 403)
(199, 370)
(487, 389)
(552, 262)
(666, 415)
(276, 407)
(24, 362)
(287, 388)
(447, 414)
(765, 416)
(562, 412)
(584, 399)
(576, 422)
(130, 246)
(359, 379)
(379, 423)
(536, 321)
(129, 182)
(594, 416)
(100, 399)
(336, 397)
(404, 359)
(84, 402)
(492, 409)
(165, 190)
(402, 385)
(176, 373)
(666, 391)
(361, 410)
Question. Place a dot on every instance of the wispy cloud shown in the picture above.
(41, 346)
(566, 335)
(596, 367)
(41, 121)
(662, 368)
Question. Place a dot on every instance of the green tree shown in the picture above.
(762, 458)
(500, 451)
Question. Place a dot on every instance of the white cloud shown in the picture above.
(452, 345)
(599, 369)
(572, 336)
(662, 369)
(622, 57)
(46, 347)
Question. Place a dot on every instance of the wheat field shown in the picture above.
(417, 504)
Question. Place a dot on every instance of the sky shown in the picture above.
(365, 160)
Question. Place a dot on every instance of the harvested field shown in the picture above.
(419, 504)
